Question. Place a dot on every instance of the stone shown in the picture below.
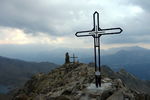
(118, 95)
(78, 83)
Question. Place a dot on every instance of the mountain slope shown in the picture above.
(15, 73)
(135, 60)
(76, 82)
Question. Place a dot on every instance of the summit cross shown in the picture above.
(74, 58)
(96, 33)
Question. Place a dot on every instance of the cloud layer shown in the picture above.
(60, 19)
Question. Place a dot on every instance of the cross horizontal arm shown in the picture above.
(111, 31)
(83, 33)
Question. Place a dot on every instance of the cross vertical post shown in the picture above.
(74, 58)
(96, 33)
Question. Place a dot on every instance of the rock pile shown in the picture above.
(76, 82)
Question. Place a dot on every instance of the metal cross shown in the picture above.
(96, 33)
(74, 58)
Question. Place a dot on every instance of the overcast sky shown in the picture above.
(54, 22)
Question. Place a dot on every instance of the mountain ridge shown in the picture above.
(76, 82)
(134, 59)
(14, 73)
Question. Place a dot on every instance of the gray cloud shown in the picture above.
(65, 17)
(143, 3)
(40, 16)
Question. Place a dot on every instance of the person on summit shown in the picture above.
(67, 58)
(98, 78)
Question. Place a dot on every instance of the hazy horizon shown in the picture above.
(44, 54)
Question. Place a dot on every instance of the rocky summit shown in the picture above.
(77, 82)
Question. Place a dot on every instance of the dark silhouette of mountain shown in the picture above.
(5, 97)
(128, 57)
(14, 72)
(135, 60)
(115, 50)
